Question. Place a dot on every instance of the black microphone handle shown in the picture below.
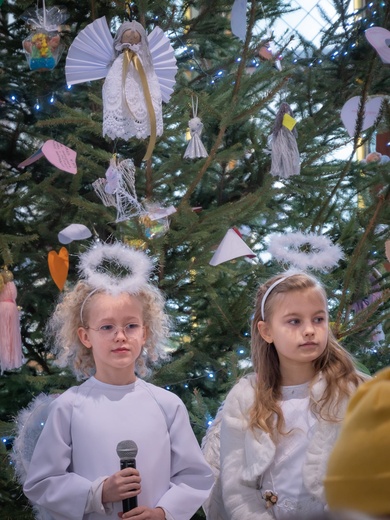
(132, 502)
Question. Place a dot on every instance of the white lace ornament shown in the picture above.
(195, 148)
(118, 190)
(125, 110)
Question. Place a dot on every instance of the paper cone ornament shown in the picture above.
(59, 266)
(232, 246)
(350, 111)
(73, 232)
(380, 40)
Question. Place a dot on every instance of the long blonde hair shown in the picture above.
(335, 364)
(66, 319)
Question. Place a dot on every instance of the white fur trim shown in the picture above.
(136, 263)
(324, 254)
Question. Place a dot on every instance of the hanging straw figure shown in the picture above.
(10, 337)
(118, 189)
(195, 148)
(283, 144)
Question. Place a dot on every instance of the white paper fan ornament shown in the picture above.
(91, 53)
(164, 61)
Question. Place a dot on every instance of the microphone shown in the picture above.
(127, 451)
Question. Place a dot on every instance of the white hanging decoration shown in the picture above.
(195, 148)
(140, 73)
(118, 189)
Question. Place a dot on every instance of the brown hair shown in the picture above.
(335, 363)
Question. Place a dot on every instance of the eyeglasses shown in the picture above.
(110, 331)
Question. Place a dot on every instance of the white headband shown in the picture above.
(270, 288)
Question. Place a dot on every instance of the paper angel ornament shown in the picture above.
(283, 144)
(195, 146)
(139, 72)
(43, 46)
(118, 189)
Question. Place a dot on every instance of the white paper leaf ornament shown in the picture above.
(350, 111)
(380, 40)
(73, 232)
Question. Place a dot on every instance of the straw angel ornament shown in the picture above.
(139, 71)
(195, 146)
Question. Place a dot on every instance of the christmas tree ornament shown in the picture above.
(267, 51)
(377, 335)
(57, 154)
(10, 337)
(139, 71)
(156, 222)
(238, 19)
(305, 250)
(43, 46)
(379, 38)
(283, 144)
(232, 246)
(375, 158)
(351, 109)
(117, 189)
(59, 266)
(195, 148)
(73, 232)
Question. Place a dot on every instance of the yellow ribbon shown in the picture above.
(130, 56)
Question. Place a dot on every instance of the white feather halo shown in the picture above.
(323, 254)
(135, 263)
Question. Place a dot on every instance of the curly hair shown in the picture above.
(66, 319)
(335, 364)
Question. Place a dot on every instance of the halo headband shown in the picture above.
(267, 292)
(102, 266)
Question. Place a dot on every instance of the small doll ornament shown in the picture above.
(139, 71)
(10, 337)
(283, 144)
(375, 158)
(43, 46)
(195, 148)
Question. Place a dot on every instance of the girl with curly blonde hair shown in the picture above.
(110, 329)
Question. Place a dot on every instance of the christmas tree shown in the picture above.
(235, 83)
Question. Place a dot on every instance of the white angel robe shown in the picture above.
(76, 452)
(125, 111)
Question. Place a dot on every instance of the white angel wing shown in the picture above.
(164, 61)
(91, 53)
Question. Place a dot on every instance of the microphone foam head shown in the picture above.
(127, 450)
